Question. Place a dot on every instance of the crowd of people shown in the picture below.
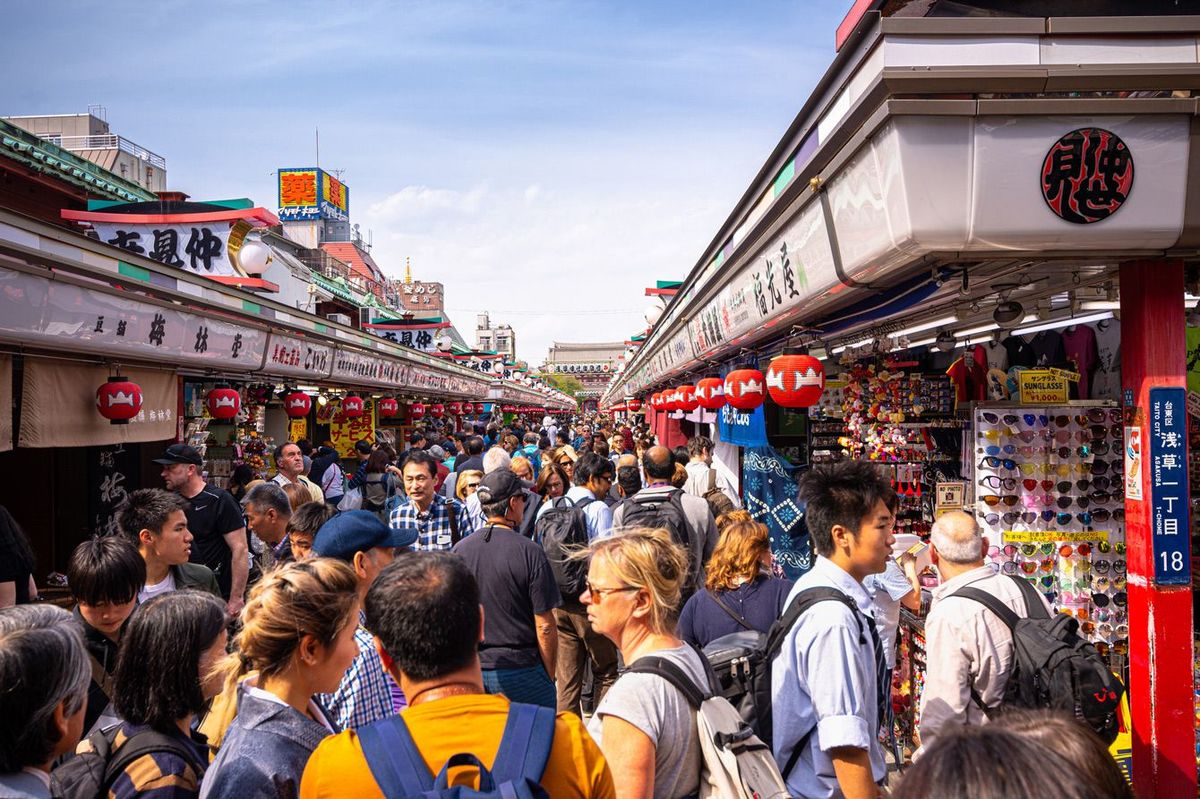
(470, 607)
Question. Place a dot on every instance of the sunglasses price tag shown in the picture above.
(1051, 536)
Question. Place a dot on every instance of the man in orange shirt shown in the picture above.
(425, 614)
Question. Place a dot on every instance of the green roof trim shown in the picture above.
(785, 177)
(668, 284)
(134, 272)
(320, 328)
(240, 204)
(251, 307)
(18, 144)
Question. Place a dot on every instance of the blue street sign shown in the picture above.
(1170, 534)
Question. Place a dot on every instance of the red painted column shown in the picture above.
(1154, 354)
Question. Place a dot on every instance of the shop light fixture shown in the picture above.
(1100, 305)
(1065, 321)
(908, 331)
(925, 342)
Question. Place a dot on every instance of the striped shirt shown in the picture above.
(157, 775)
(432, 526)
(367, 693)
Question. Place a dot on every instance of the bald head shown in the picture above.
(957, 538)
(658, 463)
(627, 460)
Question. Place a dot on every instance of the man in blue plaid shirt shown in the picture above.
(432, 519)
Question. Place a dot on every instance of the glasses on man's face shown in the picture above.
(597, 594)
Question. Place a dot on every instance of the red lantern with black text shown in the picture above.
(711, 393)
(687, 400)
(744, 389)
(454, 408)
(795, 379)
(388, 407)
(437, 410)
(416, 411)
(352, 406)
(223, 402)
(119, 400)
(297, 404)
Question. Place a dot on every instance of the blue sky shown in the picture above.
(545, 160)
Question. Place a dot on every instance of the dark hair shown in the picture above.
(43, 663)
(378, 462)
(107, 569)
(842, 493)
(424, 607)
(543, 442)
(549, 469)
(279, 450)
(1076, 742)
(416, 437)
(658, 464)
(242, 473)
(600, 447)
(495, 509)
(697, 445)
(14, 545)
(591, 465)
(309, 517)
(363, 446)
(148, 509)
(305, 446)
(269, 496)
(422, 457)
(629, 480)
(562, 436)
(530, 438)
(978, 763)
(681, 455)
(474, 445)
(158, 679)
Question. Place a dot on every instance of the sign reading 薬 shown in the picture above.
(1167, 463)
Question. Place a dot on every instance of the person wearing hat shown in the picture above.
(358, 537)
(215, 521)
(438, 454)
(518, 593)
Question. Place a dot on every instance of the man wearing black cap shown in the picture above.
(215, 521)
(519, 595)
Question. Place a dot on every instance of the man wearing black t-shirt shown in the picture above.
(518, 593)
(215, 521)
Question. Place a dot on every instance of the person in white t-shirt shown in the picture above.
(154, 520)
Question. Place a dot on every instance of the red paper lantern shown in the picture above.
(744, 389)
(795, 379)
(416, 411)
(119, 400)
(686, 398)
(454, 408)
(437, 410)
(711, 393)
(388, 407)
(223, 402)
(297, 404)
(635, 405)
(352, 406)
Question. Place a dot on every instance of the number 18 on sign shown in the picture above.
(1169, 486)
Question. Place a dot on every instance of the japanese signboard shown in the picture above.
(420, 296)
(346, 431)
(366, 368)
(743, 428)
(1042, 387)
(201, 248)
(112, 474)
(1167, 423)
(311, 193)
(416, 339)
(950, 496)
(334, 201)
(297, 357)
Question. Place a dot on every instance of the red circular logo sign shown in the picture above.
(1087, 175)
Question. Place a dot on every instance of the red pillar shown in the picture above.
(1154, 355)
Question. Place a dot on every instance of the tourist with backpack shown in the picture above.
(828, 681)
(661, 505)
(705, 481)
(378, 484)
(165, 677)
(425, 612)
(992, 642)
(565, 526)
(42, 651)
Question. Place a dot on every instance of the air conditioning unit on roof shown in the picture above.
(338, 317)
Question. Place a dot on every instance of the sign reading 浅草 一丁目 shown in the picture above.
(1167, 423)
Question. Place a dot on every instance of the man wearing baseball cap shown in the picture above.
(215, 521)
(518, 593)
(367, 693)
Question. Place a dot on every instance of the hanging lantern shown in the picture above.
(686, 398)
(795, 379)
(670, 400)
(352, 406)
(119, 400)
(297, 404)
(635, 405)
(454, 408)
(388, 407)
(223, 402)
(711, 393)
(437, 410)
(416, 410)
(744, 389)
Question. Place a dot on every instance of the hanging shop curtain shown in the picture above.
(6, 403)
(58, 405)
(725, 459)
(770, 493)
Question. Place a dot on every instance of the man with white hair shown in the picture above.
(968, 649)
(495, 459)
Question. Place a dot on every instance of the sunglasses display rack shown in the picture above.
(1049, 494)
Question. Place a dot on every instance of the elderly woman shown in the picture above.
(739, 591)
(644, 723)
(44, 672)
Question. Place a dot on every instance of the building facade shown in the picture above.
(592, 365)
(498, 338)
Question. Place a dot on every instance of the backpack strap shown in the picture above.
(101, 677)
(452, 510)
(526, 743)
(721, 604)
(661, 667)
(1003, 611)
(394, 760)
(712, 480)
(1033, 607)
(138, 745)
(801, 603)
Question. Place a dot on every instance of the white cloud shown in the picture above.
(420, 201)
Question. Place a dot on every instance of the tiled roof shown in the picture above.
(361, 262)
(49, 159)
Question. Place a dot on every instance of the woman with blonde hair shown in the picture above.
(522, 467)
(298, 638)
(468, 483)
(634, 585)
(739, 593)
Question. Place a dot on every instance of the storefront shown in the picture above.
(982, 229)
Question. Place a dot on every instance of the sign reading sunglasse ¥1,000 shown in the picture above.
(1043, 387)
(1167, 423)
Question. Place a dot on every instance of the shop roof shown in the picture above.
(41, 156)
(360, 261)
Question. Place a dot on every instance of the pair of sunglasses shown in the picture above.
(995, 418)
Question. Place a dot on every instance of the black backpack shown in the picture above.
(561, 530)
(742, 663)
(659, 509)
(1053, 667)
(91, 774)
(376, 490)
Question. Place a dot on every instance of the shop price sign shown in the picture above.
(1167, 462)
(1042, 387)
(1052, 536)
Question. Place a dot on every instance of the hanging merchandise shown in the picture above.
(223, 402)
(352, 406)
(437, 410)
(795, 379)
(772, 498)
(388, 407)
(686, 398)
(297, 404)
(416, 411)
(119, 400)
(744, 388)
(711, 393)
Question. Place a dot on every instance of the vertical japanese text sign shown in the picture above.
(1169, 486)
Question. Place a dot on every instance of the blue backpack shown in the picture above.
(398, 768)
